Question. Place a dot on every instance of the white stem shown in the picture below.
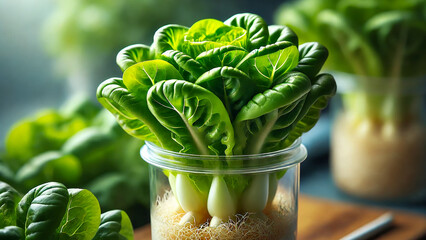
(220, 204)
(273, 186)
(190, 199)
(172, 182)
(255, 197)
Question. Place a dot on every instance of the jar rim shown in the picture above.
(213, 164)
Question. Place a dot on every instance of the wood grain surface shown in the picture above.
(324, 219)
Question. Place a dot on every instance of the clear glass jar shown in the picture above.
(378, 139)
(224, 197)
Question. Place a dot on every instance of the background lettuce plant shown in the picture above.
(51, 211)
(79, 145)
(381, 42)
(219, 88)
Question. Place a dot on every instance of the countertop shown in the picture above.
(324, 219)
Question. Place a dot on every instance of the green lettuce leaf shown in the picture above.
(115, 225)
(82, 217)
(323, 88)
(169, 37)
(196, 117)
(269, 63)
(264, 119)
(208, 34)
(228, 55)
(9, 199)
(189, 68)
(125, 107)
(231, 85)
(40, 211)
(278, 33)
(12, 233)
(256, 27)
(133, 54)
(126, 99)
(312, 57)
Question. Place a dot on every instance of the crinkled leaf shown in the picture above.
(231, 85)
(41, 210)
(323, 89)
(115, 97)
(133, 54)
(264, 120)
(115, 225)
(208, 34)
(50, 166)
(196, 117)
(312, 57)
(82, 217)
(265, 132)
(9, 198)
(188, 67)
(272, 66)
(12, 233)
(269, 63)
(140, 77)
(279, 33)
(223, 56)
(256, 28)
(282, 128)
(132, 113)
(292, 88)
(169, 37)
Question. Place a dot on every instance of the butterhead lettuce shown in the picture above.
(220, 88)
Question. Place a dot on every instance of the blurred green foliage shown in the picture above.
(82, 27)
(81, 146)
(366, 37)
(84, 36)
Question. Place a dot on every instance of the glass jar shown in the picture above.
(378, 139)
(224, 197)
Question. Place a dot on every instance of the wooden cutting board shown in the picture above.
(324, 219)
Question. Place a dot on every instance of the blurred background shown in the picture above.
(53, 55)
(53, 49)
